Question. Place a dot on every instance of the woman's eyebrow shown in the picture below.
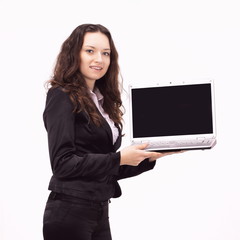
(89, 46)
(95, 48)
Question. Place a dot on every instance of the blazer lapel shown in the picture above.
(97, 98)
(108, 129)
(118, 142)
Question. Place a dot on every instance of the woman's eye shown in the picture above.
(106, 53)
(89, 51)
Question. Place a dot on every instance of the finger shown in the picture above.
(141, 146)
(153, 155)
(174, 152)
(161, 154)
(157, 155)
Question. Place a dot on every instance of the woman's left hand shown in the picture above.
(163, 154)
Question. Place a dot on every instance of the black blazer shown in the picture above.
(84, 160)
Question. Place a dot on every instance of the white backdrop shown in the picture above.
(194, 195)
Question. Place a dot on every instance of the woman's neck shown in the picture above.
(90, 84)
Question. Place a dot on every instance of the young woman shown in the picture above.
(83, 119)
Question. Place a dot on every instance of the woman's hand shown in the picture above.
(163, 154)
(135, 154)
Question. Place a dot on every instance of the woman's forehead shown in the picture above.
(96, 40)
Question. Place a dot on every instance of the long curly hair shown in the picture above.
(67, 75)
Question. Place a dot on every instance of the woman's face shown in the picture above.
(94, 57)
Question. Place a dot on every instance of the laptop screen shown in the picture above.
(172, 110)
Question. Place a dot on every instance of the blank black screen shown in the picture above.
(172, 110)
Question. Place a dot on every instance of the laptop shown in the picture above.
(173, 116)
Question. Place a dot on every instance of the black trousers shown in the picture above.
(69, 218)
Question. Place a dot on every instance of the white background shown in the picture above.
(191, 196)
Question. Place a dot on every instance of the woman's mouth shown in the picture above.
(98, 68)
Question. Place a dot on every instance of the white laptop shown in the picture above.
(173, 116)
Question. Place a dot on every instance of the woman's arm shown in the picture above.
(135, 160)
(59, 121)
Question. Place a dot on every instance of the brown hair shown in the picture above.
(68, 76)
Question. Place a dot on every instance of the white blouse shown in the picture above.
(98, 98)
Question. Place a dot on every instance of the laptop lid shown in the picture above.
(172, 111)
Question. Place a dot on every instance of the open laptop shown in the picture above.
(173, 116)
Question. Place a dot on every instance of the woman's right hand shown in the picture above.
(135, 154)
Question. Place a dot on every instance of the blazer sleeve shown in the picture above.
(59, 120)
(126, 171)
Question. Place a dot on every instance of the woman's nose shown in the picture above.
(98, 57)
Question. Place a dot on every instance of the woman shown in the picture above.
(83, 119)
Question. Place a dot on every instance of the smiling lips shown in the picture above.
(98, 68)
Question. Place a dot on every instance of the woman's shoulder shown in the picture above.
(58, 95)
(57, 92)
